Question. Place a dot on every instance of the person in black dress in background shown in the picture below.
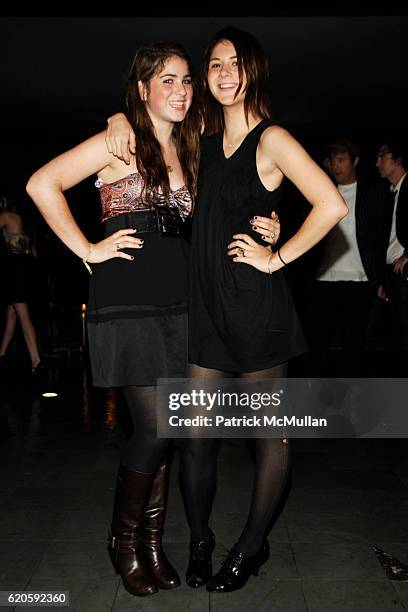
(137, 321)
(18, 281)
(241, 316)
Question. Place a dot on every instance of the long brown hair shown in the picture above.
(253, 62)
(148, 62)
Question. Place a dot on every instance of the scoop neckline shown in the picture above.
(104, 184)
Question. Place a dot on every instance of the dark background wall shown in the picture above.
(62, 77)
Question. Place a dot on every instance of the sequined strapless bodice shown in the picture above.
(128, 195)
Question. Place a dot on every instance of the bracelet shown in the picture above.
(85, 259)
(269, 263)
(279, 255)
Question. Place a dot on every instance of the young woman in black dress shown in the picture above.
(137, 311)
(242, 319)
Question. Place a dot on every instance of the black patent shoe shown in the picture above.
(199, 568)
(236, 570)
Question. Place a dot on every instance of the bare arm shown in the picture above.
(287, 156)
(120, 137)
(328, 207)
(46, 188)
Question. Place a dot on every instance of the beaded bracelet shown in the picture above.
(85, 259)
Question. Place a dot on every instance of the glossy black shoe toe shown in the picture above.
(237, 569)
(199, 568)
(38, 369)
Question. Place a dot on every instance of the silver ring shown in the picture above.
(118, 246)
(272, 235)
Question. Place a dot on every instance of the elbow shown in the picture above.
(38, 186)
(339, 209)
(32, 185)
(342, 211)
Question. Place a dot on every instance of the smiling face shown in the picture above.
(223, 75)
(169, 93)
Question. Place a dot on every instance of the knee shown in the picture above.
(23, 317)
(199, 448)
(11, 313)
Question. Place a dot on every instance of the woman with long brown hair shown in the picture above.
(137, 311)
(242, 319)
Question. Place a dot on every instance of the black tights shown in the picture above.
(198, 474)
(144, 450)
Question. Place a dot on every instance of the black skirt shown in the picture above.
(138, 351)
(137, 312)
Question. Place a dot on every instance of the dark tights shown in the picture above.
(198, 474)
(144, 450)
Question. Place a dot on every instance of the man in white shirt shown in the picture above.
(352, 266)
(392, 164)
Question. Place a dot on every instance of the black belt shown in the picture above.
(147, 221)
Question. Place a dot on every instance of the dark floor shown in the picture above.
(57, 471)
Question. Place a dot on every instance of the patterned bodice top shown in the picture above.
(127, 195)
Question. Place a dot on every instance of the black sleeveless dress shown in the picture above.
(20, 270)
(240, 319)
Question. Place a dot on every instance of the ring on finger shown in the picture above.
(241, 252)
(272, 235)
(118, 246)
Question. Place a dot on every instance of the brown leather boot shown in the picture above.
(125, 539)
(164, 573)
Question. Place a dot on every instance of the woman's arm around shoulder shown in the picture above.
(120, 137)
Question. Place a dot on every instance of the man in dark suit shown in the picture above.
(392, 163)
(351, 268)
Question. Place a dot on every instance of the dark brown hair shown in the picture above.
(397, 147)
(148, 61)
(251, 60)
(344, 145)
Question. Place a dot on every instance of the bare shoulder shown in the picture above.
(73, 166)
(275, 137)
